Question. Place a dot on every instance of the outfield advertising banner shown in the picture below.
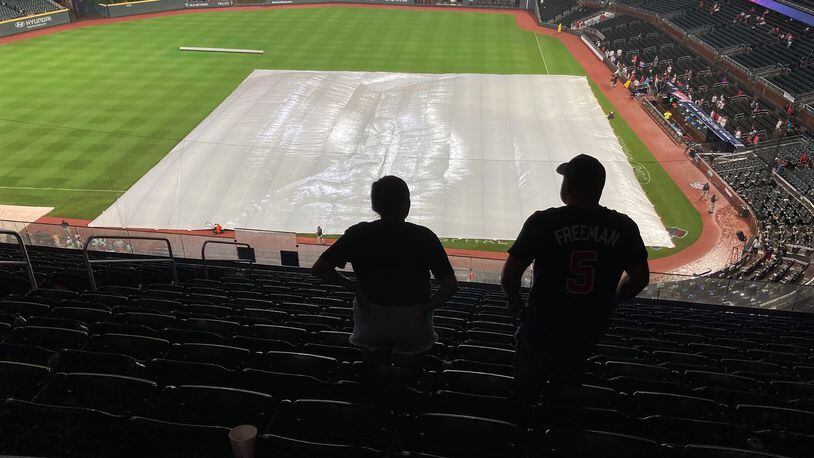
(29, 23)
(291, 2)
(153, 6)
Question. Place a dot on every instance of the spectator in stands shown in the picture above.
(587, 260)
(392, 259)
(738, 133)
(804, 159)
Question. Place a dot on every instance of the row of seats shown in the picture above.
(272, 344)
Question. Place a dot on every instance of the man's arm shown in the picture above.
(510, 280)
(447, 288)
(633, 281)
(328, 273)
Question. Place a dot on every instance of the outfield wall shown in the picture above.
(154, 6)
(34, 22)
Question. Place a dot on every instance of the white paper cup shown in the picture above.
(243, 439)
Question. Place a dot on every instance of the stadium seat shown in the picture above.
(593, 444)
(180, 336)
(214, 406)
(51, 322)
(652, 403)
(346, 354)
(110, 393)
(334, 422)
(25, 354)
(222, 355)
(164, 306)
(284, 386)
(24, 309)
(708, 451)
(150, 320)
(21, 380)
(454, 402)
(682, 431)
(96, 362)
(167, 372)
(163, 439)
(29, 428)
(214, 311)
(478, 383)
(288, 334)
(484, 354)
(321, 367)
(459, 436)
(139, 347)
(777, 418)
(82, 314)
(544, 417)
(47, 337)
(272, 446)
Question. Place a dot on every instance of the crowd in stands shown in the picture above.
(761, 40)
(649, 59)
(12, 9)
(782, 249)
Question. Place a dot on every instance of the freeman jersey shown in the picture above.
(579, 255)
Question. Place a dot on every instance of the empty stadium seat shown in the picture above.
(215, 406)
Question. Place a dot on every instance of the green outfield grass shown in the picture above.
(85, 113)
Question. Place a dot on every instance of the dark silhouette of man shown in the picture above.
(392, 259)
(587, 259)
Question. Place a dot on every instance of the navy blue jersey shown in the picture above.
(579, 256)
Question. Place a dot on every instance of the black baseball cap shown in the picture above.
(584, 171)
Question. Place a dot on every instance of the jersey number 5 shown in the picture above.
(582, 272)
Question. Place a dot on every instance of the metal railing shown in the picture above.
(159, 248)
(90, 262)
(224, 242)
(26, 262)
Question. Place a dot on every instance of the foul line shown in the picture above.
(31, 188)
(539, 48)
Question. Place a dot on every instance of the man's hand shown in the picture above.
(510, 281)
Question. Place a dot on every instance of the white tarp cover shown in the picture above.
(288, 150)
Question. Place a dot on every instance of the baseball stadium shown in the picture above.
(171, 170)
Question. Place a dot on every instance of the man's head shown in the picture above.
(390, 198)
(583, 181)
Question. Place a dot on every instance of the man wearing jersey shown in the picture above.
(587, 259)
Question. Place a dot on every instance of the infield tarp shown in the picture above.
(289, 150)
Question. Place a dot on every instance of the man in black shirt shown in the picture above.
(587, 259)
(392, 260)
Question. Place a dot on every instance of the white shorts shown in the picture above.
(394, 329)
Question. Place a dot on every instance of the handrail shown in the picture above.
(219, 242)
(26, 260)
(89, 262)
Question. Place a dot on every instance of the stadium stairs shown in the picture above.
(144, 367)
